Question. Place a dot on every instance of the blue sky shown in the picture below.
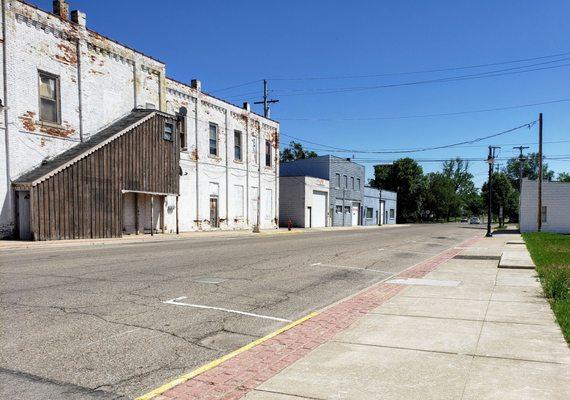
(229, 43)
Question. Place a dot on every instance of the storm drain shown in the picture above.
(468, 257)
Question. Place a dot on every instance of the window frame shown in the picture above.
(392, 214)
(268, 154)
(544, 214)
(345, 181)
(217, 140)
(238, 134)
(337, 183)
(172, 131)
(337, 208)
(371, 213)
(57, 99)
(358, 183)
(352, 182)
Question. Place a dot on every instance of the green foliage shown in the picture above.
(404, 176)
(564, 177)
(294, 151)
(504, 194)
(530, 169)
(551, 254)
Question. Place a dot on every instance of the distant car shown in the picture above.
(464, 220)
(474, 221)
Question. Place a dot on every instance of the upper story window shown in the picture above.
(358, 184)
(168, 131)
(237, 146)
(213, 139)
(345, 181)
(337, 181)
(267, 153)
(49, 98)
(352, 182)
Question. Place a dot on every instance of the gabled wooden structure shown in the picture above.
(80, 193)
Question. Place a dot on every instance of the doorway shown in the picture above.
(355, 213)
(214, 220)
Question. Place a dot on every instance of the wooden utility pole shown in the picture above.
(489, 192)
(266, 102)
(539, 218)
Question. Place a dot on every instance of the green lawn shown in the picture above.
(551, 254)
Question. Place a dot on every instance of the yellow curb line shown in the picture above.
(186, 377)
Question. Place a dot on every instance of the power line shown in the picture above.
(489, 74)
(423, 71)
(430, 115)
(416, 150)
(236, 86)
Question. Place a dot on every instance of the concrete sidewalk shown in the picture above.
(471, 331)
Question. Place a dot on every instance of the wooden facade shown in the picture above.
(83, 197)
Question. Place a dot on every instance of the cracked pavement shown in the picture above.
(89, 322)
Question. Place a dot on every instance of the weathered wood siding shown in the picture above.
(85, 199)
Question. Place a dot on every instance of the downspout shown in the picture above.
(79, 91)
(5, 84)
(198, 225)
(227, 175)
(134, 85)
(247, 170)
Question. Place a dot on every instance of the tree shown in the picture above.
(474, 203)
(440, 199)
(294, 151)
(504, 194)
(406, 177)
(457, 171)
(530, 169)
(564, 177)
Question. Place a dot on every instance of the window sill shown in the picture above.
(51, 124)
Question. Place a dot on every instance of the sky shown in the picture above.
(312, 51)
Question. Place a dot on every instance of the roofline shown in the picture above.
(222, 100)
(89, 151)
(89, 30)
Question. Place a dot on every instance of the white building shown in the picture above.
(555, 206)
(63, 83)
(304, 201)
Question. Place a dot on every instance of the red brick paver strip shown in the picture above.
(237, 376)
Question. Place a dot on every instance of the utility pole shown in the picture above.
(490, 161)
(539, 218)
(266, 101)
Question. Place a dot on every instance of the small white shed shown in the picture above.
(303, 200)
(555, 206)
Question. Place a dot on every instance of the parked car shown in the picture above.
(474, 221)
(464, 219)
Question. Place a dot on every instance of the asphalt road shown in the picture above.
(91, 322)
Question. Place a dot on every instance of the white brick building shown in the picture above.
(63, 83)
(555, 206)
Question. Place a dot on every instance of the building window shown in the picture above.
(352, 182)
(267, 153)
(213, 139)
(337, 183)
(168, 131)
(338, 209)
(544, 213)
(358, 183)
(392, 213)
(181, 128)
(237, 145)
(49, 98)
(369, 213)
(345, 181)
(347, 209)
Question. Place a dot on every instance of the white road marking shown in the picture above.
(424, 282)
(177, 302)
(349, 267)
(381, 249)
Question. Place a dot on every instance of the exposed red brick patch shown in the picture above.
(68, 56)
(28, 121)
(237, 376)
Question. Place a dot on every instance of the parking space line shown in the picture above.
(177, 302)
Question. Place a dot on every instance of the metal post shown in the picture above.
(151, 215)
(539, 218)
(490, 192)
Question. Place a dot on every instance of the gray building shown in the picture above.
(346, 185)
(379, 207)
(555, 206)
(388, 207)
(304, 201)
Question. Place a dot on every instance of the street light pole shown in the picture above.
(490, 192)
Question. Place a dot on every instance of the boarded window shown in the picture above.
(237, 146)
(238, 201)
(213, 139)
(267, 153)
(49, 98)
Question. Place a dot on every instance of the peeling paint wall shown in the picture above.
(100, 82)
(236, 181)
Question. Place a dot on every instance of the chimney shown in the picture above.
(61, 9)
(196, 84)
(246, 106)
(80, 18)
